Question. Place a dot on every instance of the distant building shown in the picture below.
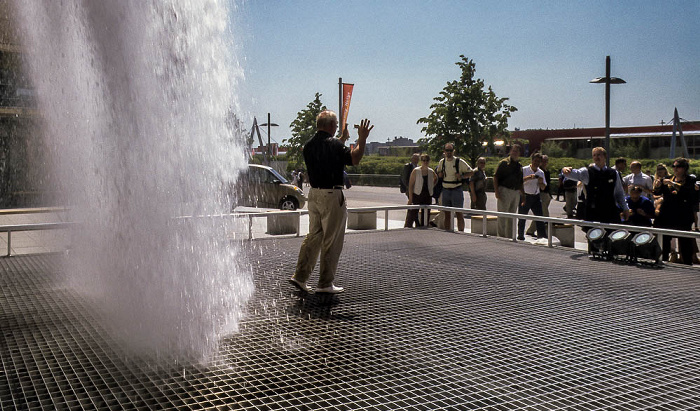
(399, 146)
(579, 141)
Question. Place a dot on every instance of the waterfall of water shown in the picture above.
(135, 99)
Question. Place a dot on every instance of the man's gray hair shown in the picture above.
(325, 119)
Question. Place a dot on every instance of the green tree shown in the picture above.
(303, 128)
(466, 114)
(552, 149)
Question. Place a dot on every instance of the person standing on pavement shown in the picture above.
(405, 177)
(621, 167)
(452, 170)
(570, 194)
(545, 193)
(326, 157)
(533, 182)
(477, 186)
(639, 179)
(680, 195)
(605, 197)
(420, 188)
(508, 187)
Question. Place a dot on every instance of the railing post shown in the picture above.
(514, 231)
(298, 222)
(484, 225)
(386, 220)
(250, 227)
(549, 233)
(9, 242)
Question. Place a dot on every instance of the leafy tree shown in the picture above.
(644, 149)
(466, 114)
(303, 128)
(552, 149)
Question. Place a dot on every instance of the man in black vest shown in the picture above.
(605, 197)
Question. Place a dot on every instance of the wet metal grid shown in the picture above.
(430, 320)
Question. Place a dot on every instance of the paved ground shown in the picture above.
(428, 322)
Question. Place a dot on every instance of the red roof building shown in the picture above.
(586, 138)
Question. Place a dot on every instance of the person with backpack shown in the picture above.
(452, 170)
(403, 187)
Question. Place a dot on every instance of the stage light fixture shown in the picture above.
(647, 248)
(597, 243)
(620, 244)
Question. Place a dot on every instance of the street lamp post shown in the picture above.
(608, 81)
(269, 147)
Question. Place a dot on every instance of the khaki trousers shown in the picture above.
(508, 202)
(327, 218)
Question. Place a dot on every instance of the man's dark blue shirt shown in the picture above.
(326, 157)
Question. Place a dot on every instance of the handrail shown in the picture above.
(9, 228)
(660, 232)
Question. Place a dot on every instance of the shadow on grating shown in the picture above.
(429, 320)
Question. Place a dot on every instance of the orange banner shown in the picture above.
(347, 95)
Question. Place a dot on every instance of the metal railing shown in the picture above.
(10, 228)
(659, 232)
(550, 221)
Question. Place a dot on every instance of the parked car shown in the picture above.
(263, 186)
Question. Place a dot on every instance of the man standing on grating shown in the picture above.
(326, 158)
(508, 187)
(533, 182)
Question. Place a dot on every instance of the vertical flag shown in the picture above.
(347, 95)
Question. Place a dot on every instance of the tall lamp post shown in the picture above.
(607, 80)
(269, 147)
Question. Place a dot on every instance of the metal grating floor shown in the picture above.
(429, 320)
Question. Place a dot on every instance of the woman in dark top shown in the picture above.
(420, 187)
(680, 194)
(477, 185)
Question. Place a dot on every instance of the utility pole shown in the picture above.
(269, 145)
(607, 80)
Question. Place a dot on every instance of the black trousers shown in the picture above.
(685, 247)
(532, 202)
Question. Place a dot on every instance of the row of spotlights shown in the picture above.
(618, 244)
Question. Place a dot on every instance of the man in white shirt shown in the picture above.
(452, 170)
(637, 178)
(533, 182)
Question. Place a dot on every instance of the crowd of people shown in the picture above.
(669, 200)
(594, 193)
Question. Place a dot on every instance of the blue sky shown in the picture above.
(539, 54)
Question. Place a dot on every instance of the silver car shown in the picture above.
(263, 186)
